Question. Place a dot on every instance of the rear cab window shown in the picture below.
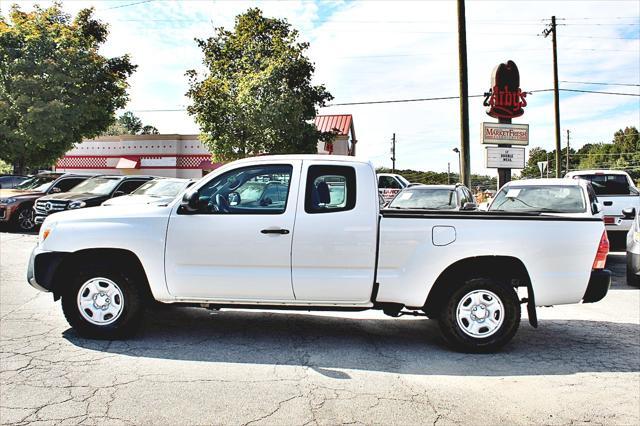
(330, 189)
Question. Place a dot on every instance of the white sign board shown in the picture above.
(505, 134)
(504, 158)
(159, 162)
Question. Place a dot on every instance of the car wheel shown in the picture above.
(25, 219)
(481, 316)
(103, 302)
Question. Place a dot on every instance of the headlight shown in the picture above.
(636, 237)
(7, 200)
(77, 204)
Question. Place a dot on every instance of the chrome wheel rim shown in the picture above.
(100, 301)
(480, 313)
(25, 219)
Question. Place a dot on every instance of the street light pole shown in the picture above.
(457, 151)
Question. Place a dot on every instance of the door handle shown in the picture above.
(607, 203)
(275, 231)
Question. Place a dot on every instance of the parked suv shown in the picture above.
(16, 205)
(91, 192)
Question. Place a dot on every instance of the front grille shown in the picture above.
(46, 207)
(3, 212)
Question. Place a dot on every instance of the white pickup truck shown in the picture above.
(323, 245)
(616, 192)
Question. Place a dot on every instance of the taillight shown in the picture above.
(609, 220)
(603, 251)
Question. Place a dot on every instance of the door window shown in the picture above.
(65, 185)
(330, 189)
(129, 186)
(249, 190)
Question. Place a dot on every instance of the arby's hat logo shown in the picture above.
(505, 99)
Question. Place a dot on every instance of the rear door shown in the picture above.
(334, 243)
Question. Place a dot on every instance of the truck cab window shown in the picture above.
(330, 189)
(249, 190)
(388, 182)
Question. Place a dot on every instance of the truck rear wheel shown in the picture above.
(103, 302)
(481, 316)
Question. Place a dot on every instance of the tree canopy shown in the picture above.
(55, 87)
(256, 96)
(129, 124)
(623, 153)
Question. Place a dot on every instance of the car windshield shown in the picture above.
(38, 183)
(425, 198)
(542, 198)
(161, 188)
(608, 184)
(97, 185)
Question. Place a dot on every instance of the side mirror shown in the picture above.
(469, 206)
(629, 213)
(56, 190)
(190, 201)
(118, 194)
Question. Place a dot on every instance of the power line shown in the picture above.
(128, 4)
(601, 93)
(600, 84)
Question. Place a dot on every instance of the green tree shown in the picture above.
(256, 96)
(129, 124)
(55, 87)
(622, 153)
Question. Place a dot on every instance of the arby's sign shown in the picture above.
(505, 99)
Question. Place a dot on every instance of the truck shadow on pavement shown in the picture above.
(329, 344)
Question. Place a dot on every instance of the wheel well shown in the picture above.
(503, 268)
(120, 258)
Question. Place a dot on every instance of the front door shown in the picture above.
(237, 245)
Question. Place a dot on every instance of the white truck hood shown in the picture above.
(129, 200)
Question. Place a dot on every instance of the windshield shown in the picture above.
(425, 198)
(608, 184)
(97, 186)
(545, 198)
(38, 183)
(161, 188)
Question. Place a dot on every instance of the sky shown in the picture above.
(388, 50)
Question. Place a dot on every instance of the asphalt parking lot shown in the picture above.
(193, 366)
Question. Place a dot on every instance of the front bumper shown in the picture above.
(6, 211)
(42, 268)
(598, 286)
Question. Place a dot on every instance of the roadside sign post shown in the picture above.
(542, 166)
(505, 101)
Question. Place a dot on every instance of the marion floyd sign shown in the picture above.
(505, 134)
(504, 158)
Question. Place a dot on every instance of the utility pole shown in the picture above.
(556, 96)
(449, 173)
(568, 132)
(465, 158)
(393, 153)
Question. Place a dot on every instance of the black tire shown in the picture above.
(22, 224)
(128, 320)
(457, 338)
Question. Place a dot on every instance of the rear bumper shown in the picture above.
(598, 286)
(42, 268)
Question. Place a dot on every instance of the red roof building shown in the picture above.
(341, 125)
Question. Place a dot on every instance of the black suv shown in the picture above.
(92, 192)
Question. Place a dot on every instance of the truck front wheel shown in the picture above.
(480, 316)
(102, 302)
